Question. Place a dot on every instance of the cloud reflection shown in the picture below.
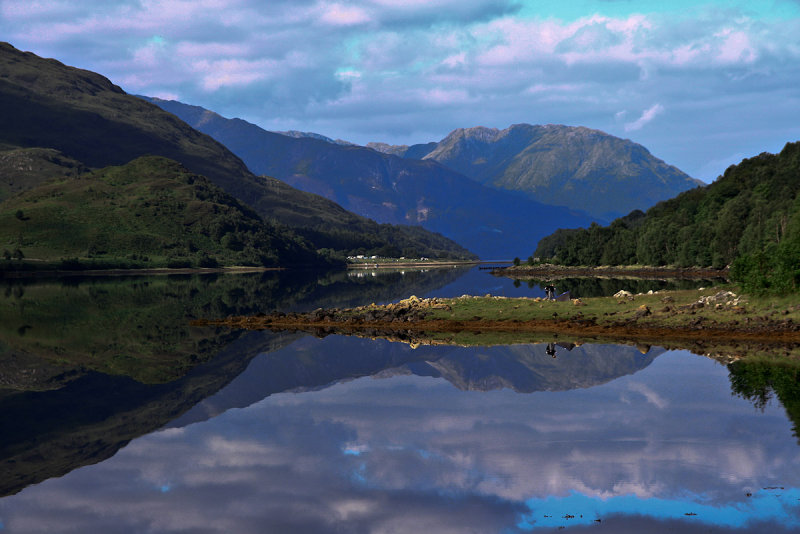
(413, 454)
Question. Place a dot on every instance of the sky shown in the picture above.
(701, 84)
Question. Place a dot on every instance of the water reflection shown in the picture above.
(310, 364)
(87, 364)
(603, 287)
(413, 453)
(289, 433)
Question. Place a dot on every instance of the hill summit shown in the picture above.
(572, 166)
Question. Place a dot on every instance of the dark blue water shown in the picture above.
(357, 435)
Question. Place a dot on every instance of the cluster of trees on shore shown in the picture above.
(748, 219)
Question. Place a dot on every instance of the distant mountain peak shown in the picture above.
(574, 166)
(480, 133)
(311, 135)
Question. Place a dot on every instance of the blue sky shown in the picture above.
(701, 84)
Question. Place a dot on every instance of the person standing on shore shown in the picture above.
(550, 291)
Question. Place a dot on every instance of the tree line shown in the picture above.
(748, 219)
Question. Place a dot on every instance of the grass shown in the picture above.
(150, 212)
(604, 309)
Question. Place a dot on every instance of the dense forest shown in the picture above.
(749, 218)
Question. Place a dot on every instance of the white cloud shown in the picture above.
(290, 63)
(344, 15)
(650, 394)
(647, 115)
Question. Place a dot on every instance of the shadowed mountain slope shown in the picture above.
(81, 114)
(387, 188)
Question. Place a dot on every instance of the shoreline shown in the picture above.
(700, 321)
(552, 271)
(56, 273)
(135, 272)
(413, 264)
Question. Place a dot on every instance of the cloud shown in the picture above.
(344, 15)
(378, 70)
(647, 115)
(652, 397)
(410, 453)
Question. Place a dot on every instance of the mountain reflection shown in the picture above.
(178, 429)
(87, 364)
(311, 363)
(666, 448)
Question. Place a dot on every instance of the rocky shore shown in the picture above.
(704, 322)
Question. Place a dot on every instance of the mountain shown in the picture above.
(750, 216)
(312, 135)
(152, 211)
(86, 118)
(26, 168)
(578, 167)
(495, 224)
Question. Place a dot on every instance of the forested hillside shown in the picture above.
(58, 120)
(151, 212)
(750, 215)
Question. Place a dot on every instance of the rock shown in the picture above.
(667, 299)
(622, 294)
(642, 311)
(578, 302)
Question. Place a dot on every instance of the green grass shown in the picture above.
(151, 212)
(609, 309)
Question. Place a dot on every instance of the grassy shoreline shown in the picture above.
(704, 321)
(553, 271)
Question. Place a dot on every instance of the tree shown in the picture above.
(516, 262)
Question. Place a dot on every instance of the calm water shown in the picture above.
(119, 417)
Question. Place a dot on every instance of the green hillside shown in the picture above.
(151, 212)
(749, 217)
(82, 115)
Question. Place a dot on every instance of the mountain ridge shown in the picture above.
(575, 166)
(390, 189)
(85, 117)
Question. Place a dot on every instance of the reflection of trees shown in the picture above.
(758, 381)
(87, 364)
(139, 326)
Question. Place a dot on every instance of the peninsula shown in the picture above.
(704, 321)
